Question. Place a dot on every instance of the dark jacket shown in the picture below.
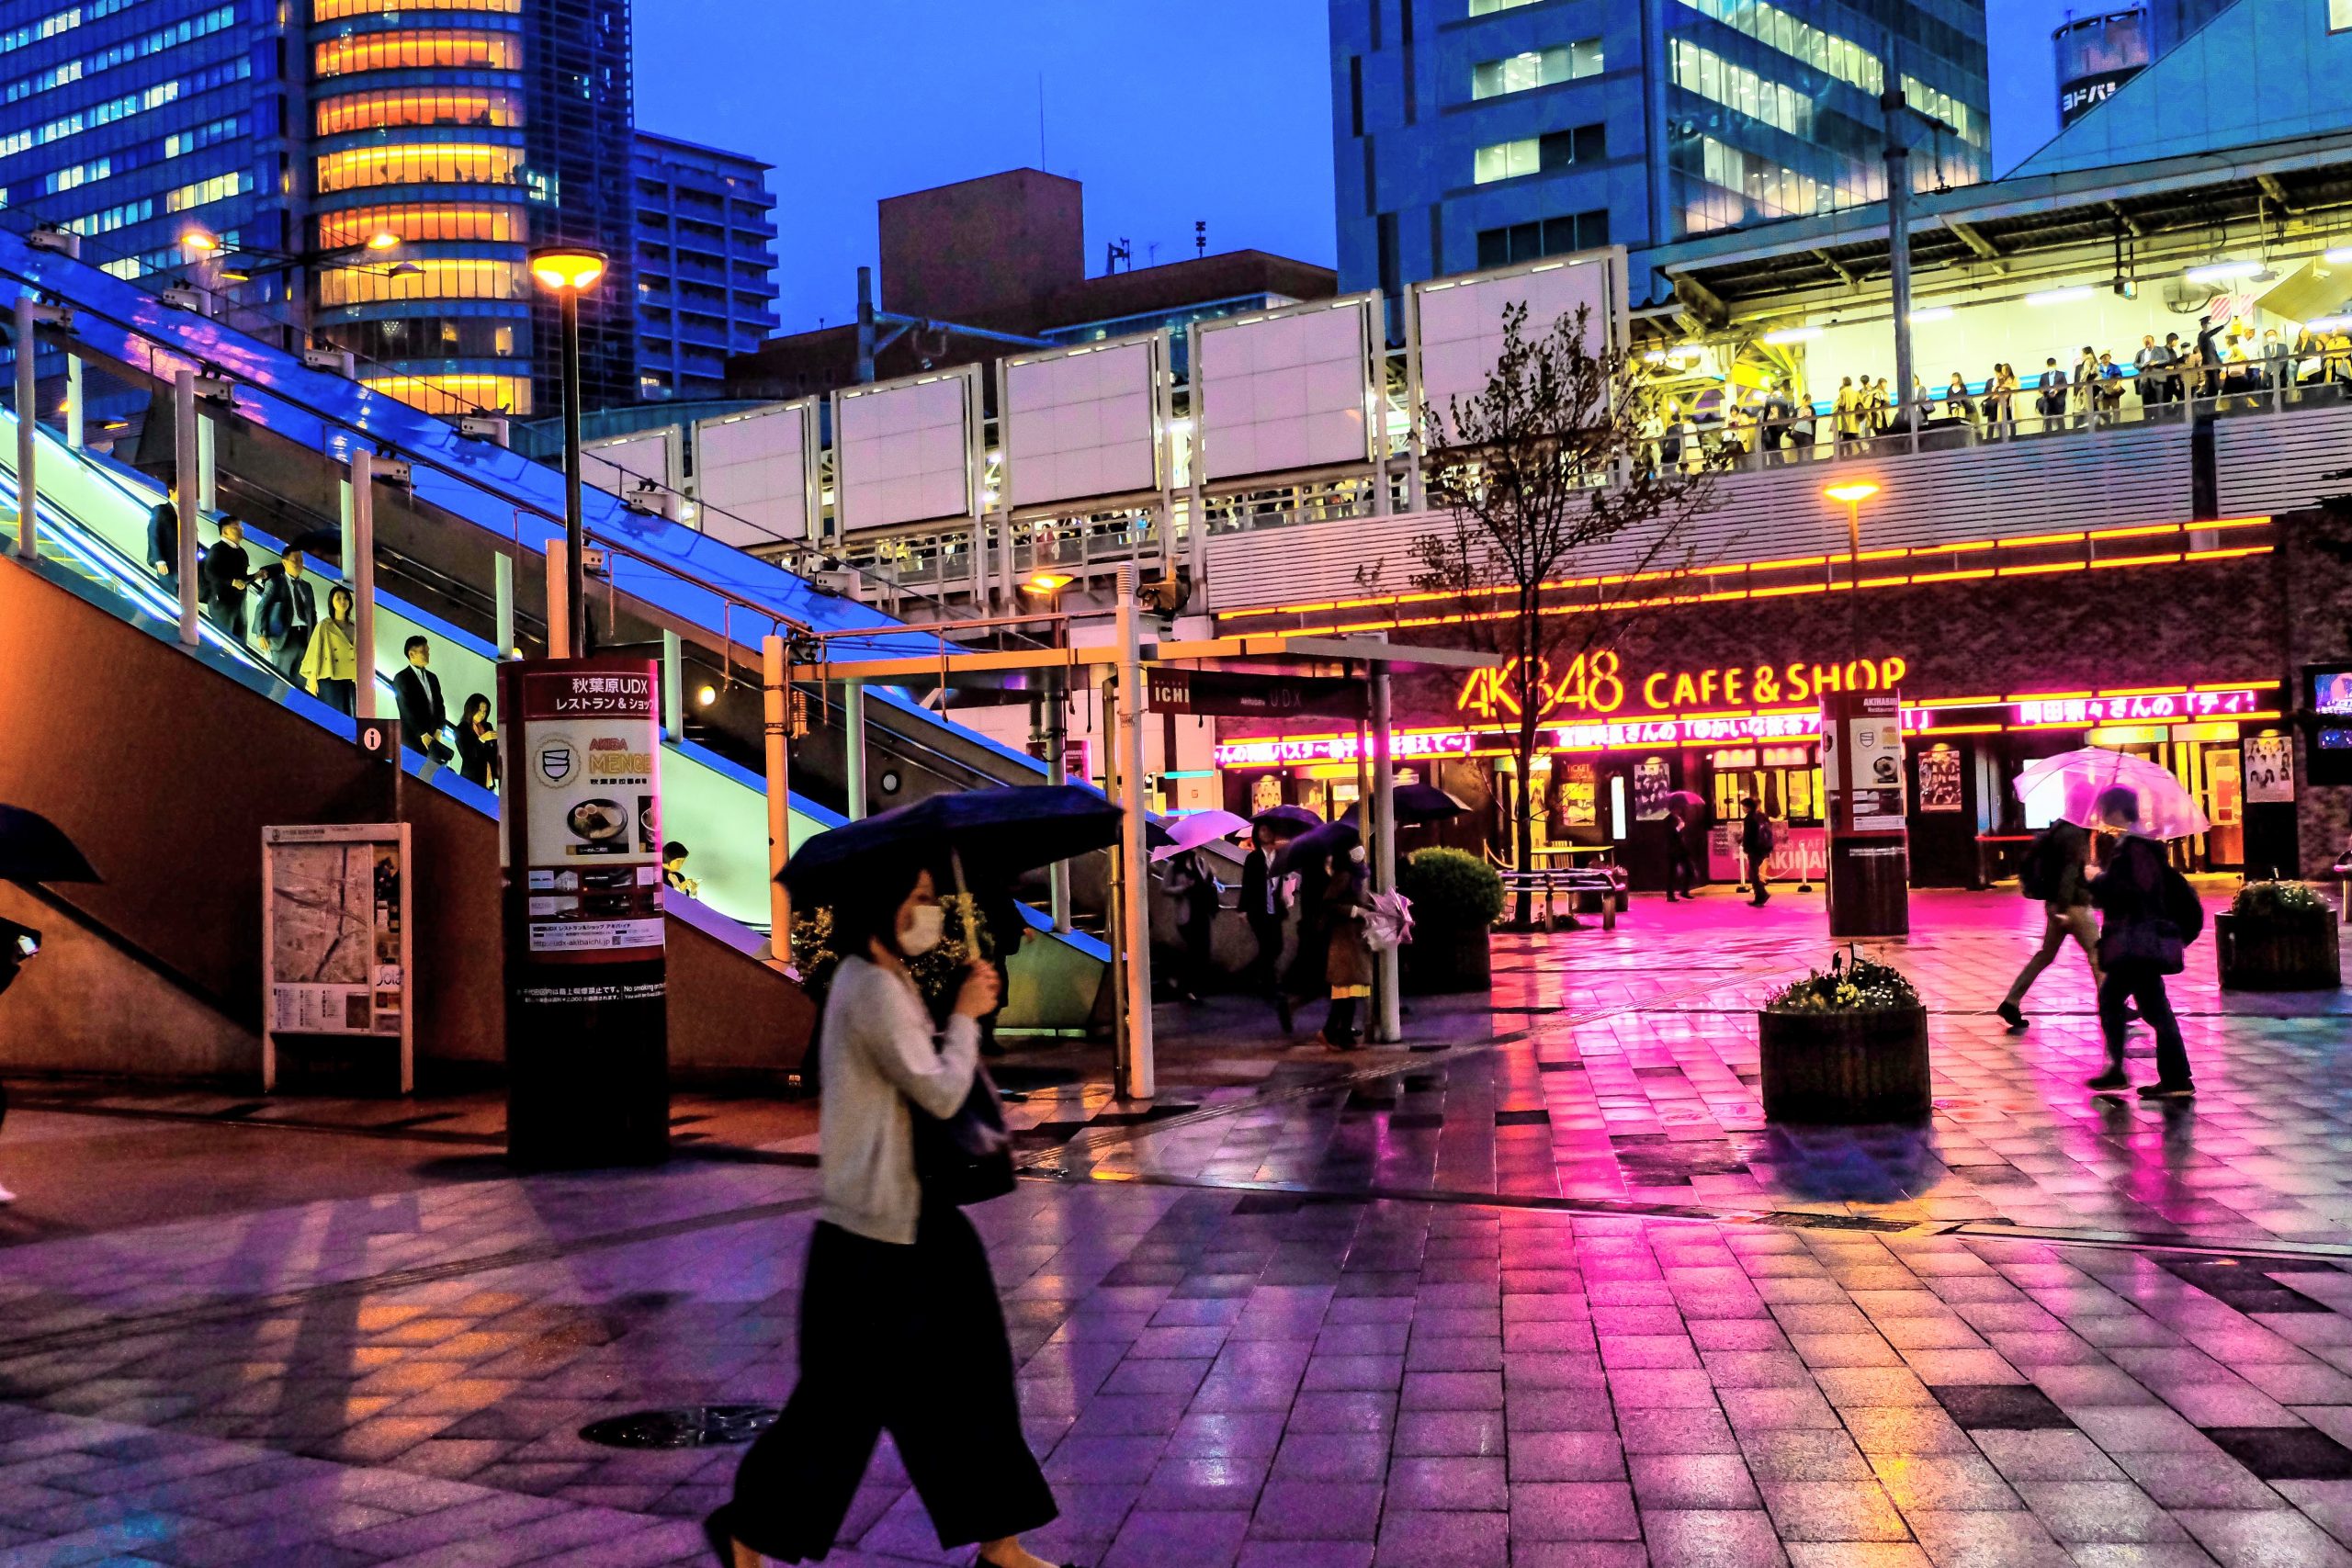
(163, 536)
(1258, 890)
(2130, 890)
(285, 603)
(2070, 879)
(418, 691)
(1347, 956)
(1752, 829)
(226, 571)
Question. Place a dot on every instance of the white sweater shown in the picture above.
(881, 1054)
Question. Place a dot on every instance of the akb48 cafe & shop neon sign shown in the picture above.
(1599, 685)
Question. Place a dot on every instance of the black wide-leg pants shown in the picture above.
(909, 1340)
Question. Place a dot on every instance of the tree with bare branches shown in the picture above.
(1563, 533)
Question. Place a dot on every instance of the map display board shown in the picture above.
(336, 944)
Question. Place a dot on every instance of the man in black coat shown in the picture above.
(226, 573)
(417, 690)
(1756, 843)
(285, 613)
(164, 544)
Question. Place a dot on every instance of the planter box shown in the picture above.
(1439, 960)
(2255, 955)
(1845, 1068)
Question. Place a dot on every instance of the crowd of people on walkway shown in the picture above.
(1724, 428)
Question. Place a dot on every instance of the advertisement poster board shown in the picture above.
(591, 861)
(1652, 780)
(1939, 780)
(335, 939)
(2270, 770)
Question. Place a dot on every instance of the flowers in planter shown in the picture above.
(1851, 984)
(2278, 901)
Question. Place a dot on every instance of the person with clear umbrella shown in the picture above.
(2148, 913)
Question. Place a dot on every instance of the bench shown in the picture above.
(1607, 883)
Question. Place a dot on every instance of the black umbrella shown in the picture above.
(1285, 821)
(995, 833)
(326, 543)
(1330, 838)
(1417, 803)
(34, 848)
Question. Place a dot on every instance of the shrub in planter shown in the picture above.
(937, 973)
(1456, 898)
(1844, 1044)
(2277, 936)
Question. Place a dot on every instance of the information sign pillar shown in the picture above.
(1861, 766)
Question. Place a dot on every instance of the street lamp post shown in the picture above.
(1852, 494)
(1053, 707)
(1862, 756)
(567, 272)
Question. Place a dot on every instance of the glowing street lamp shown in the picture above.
(1852, 493)
(567, 272)
(1048, 584)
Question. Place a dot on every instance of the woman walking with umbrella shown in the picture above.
(899, 1326)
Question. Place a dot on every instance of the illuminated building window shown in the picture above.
(220, 187)
(1539, 154)
(1536, 68)
(434, 163)
(409, 48)
(421, 221)
(457, 392)
(1709, 75)
(444, 105)
(1488, 8)
(337, 10)
(438, 278)
(1776, 28)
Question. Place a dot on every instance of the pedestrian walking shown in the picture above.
(286, 613)
(1194, 890)
(164, 544)
(1262, 907)
(330, 668)
(901, 1329)
(478, 744)
(2149, 913)
(1682, 873)
(2057, 871)
(1347, 962)
(225, 574)
(1756, 844)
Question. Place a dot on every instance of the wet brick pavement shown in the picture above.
(1541, 1289)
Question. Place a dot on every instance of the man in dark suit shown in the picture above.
(418, 690)
(164, 544)
(285, 613)
(226, 573)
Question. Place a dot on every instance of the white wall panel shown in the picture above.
(1080, 423)
(618, 464)
(751, 474)
(1281, 392)
(1460, 320)
(903, 453)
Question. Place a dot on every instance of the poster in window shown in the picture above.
(1939, 780)
(1652, 782)
(1579, 797)
(2269, 770)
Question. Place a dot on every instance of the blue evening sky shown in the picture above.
(1213, 108)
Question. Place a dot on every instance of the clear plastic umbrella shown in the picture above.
(2069, 787)
(1194, 829)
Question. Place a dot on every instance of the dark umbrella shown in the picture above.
(1330, 838)
(1416, 803)
(34, 848)
(326, 543)
(997, 834)
(1285, 821)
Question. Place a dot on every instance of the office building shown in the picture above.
(353, 174)
(1472, 133)
(2097, 54)
(705, 263)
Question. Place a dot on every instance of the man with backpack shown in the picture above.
(1756, 843)
(2149, 914)
(2057, 872)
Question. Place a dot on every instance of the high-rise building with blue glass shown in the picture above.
(705, 263)
(365, 175)
(1471, 133)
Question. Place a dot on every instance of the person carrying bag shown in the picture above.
(2149, 916)
(901, 1329)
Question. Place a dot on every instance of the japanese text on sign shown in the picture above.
(2118, 710)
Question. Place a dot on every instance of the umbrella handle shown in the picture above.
(964, 903)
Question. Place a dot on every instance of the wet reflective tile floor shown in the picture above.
(1537, 1287)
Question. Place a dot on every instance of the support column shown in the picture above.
(184, 464)
(854, 745)
(501, 572)
(776, 695)
(27, 432)
(1058, 772)
(207, 467)
(73, 416)
(559, 602)
(1139, 1080)
(673, 686)
(1389, 1019)
(359, 569)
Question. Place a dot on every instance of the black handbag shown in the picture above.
(2155, 943)
(965, 1159)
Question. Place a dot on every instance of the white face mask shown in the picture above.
(924, 925)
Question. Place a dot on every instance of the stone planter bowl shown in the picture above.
(1844, 1068)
